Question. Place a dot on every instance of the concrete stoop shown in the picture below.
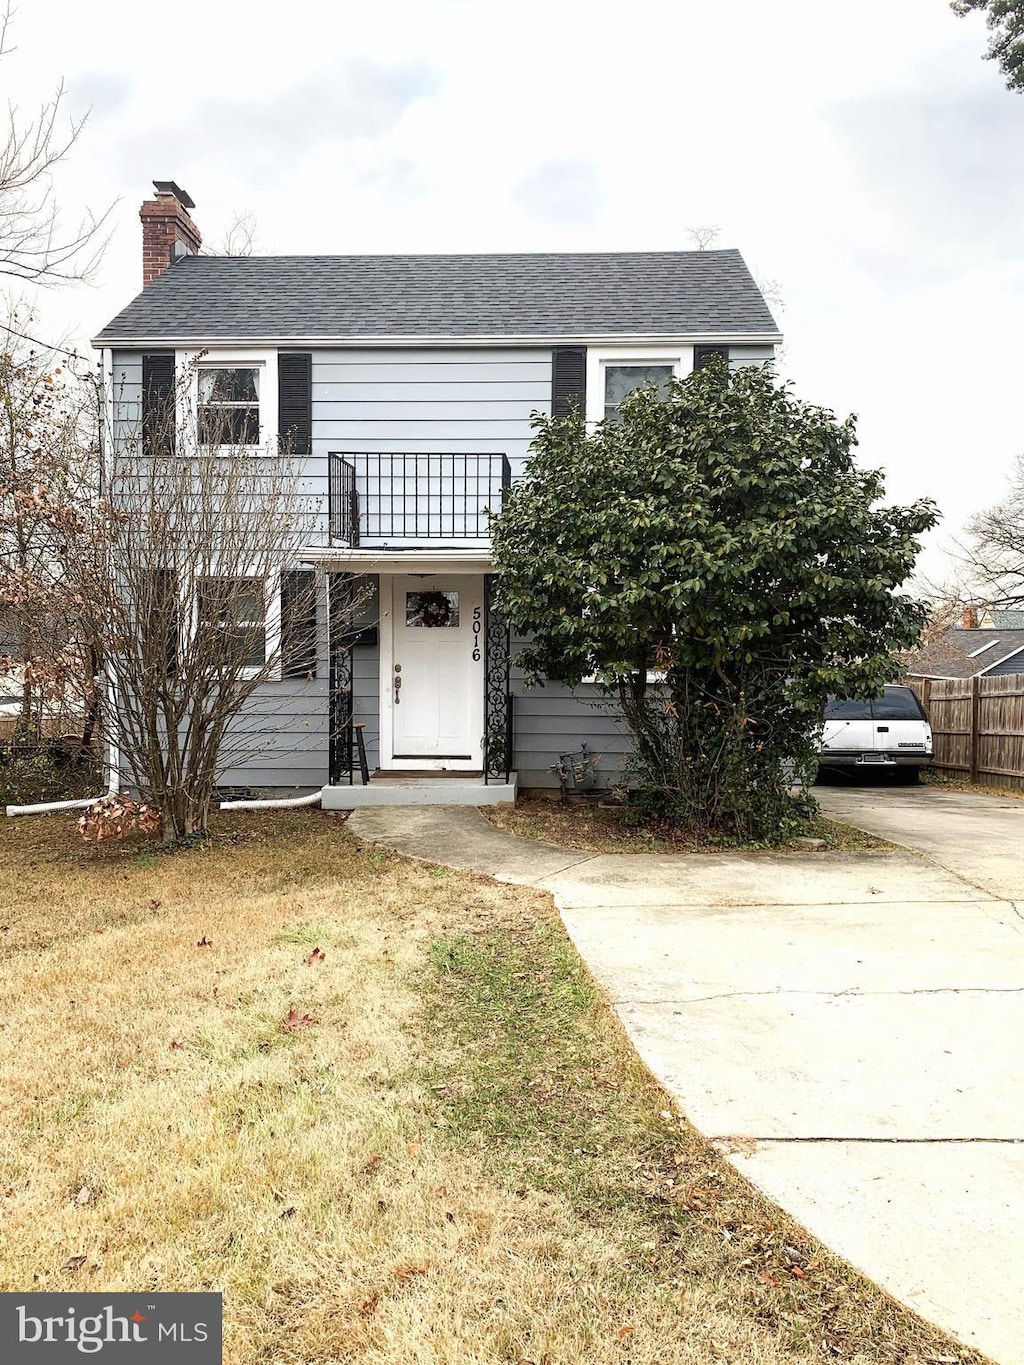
(435, 790)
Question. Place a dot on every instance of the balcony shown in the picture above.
(412, 498)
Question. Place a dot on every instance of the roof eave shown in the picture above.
(187, 342)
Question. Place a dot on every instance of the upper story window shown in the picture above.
(230, 401)
(622, 380)
(613, 374)
(229, 405)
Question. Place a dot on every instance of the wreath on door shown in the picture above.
(431, 609)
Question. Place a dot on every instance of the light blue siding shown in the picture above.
(439, 401)
(279, 741)
(750, 355)
(553, 720)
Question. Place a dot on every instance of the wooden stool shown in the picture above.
(364, 767)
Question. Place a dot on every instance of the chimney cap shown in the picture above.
(169, 187)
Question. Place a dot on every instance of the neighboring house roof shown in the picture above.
(1003, 618)
(963, 653)
(547, 295)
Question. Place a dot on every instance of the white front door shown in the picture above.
(432, 675)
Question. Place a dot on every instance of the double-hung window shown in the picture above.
(229, 405)
(613, 374)
(233, 616)
(620, 380)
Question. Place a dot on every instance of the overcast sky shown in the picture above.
(862, 157)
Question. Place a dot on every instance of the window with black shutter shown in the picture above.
(295, 401)
(568, 380)
(298, 623)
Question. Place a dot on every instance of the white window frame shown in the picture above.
(237, 358)
(271, 623)
(599, 357)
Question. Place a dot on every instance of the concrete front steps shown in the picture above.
(420, 789)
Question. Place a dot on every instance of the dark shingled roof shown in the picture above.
(667, 293)
(950, 656)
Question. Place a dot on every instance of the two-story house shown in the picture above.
(407, 384)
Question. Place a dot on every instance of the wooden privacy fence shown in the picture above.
(50, 728)
(978, 726)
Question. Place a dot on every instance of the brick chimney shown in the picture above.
(969, 619)
(168, 232)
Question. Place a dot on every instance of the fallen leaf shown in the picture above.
(415, 1148)
(154, 904)
(369, 1306)
(295, 1021)
(176, 1046)
(765, 1278)
(624, 1332)
(73, 1263)
(314, 957)
(408, 1272)
(798, 1271)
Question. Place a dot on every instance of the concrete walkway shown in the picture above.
(847, 1027)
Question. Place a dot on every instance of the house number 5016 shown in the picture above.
(477, 627)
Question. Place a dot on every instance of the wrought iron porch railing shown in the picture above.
(377, 498)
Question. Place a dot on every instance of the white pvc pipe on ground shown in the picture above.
(274, 803)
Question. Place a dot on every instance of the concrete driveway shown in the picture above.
(847, 1027)
(979, 838)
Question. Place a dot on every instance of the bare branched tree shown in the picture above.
(994, 554)
(703, 235)
(240, 239)
(35, 245)
(197, 591)
(47, 482)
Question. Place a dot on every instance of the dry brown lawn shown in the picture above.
(452, 1157)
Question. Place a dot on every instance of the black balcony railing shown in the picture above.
(411, 497)
(343, 500)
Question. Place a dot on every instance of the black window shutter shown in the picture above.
(295, 401)
(160, 608)
(702, 354)
(158, 402)
(298, 623)
(568, 380)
